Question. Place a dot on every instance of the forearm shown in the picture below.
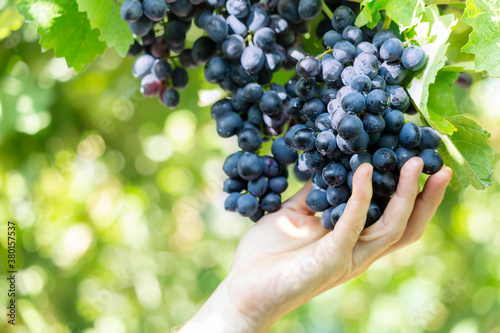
(221, 315)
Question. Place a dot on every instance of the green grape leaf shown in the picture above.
(441, 96)
(484, 41)
(105, 16)
(66, 30)
(468, 153)
(431, 34)
(403, 12)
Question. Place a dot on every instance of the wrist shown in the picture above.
(223, 312)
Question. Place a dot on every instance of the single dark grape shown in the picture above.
(234, 185)
(278, 184)
(344, 51)
(316, 201)
(174, 34)
(332, 69)
(155, 10)
(131, 10)
(180, 78)
(270, 103)
(258, 187)
(203, 49)
(235, 26)
(229, 124)
(410, 135)
(378, 82)
(387, 140)
(334, 174)
(430, 138)
(353, 34)
(331, 38)
(308, 67)
(392, 72)
(384, 183)
(413, 58)
(309, 9)
(233, 47)
(323, 123)
(360, 144)
(357, 159)
(265, 38)
(306, 88)
(318, 182)
(361, 83)
(142, 65)
(216, 70)
(366, 47)
(354, 103)
(326, 142)
(250, 166)
(231, 202)
(433, 162)
(350, 127)
(313, 160)
(271, 202)
(373, 123)
(326, 217)
(289, 10)
(384, 159)
(381, 36)
(282, 152)
(336, 214)
(249, 139)
(247, 205)
(391, 49)
(342, 17)
(141, 27)
(367, 64)
(374, 213)
(170, 98)
(313, 108)
(377, 101)
(238, 8)
(394, 121)
(258, 17)
(252, 59)
(337, 195)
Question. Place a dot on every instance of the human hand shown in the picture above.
(287, 258)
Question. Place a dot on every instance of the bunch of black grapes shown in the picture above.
(245, 41)
(347, 108)
(161, 26)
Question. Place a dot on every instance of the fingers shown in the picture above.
(425, 207)
(392, 223)
(346, 232)
(297, 202)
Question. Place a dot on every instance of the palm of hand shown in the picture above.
(288, 257)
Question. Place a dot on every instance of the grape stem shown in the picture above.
(119, 4)
(387, 22)
(249, 38)
(329, 50)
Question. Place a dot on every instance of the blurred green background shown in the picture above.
(120, 218)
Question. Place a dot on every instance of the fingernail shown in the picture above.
(417, 163)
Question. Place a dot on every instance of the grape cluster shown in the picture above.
(345, 108)
(160, 74)
(357, 117)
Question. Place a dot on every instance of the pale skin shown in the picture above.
(287, 258)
